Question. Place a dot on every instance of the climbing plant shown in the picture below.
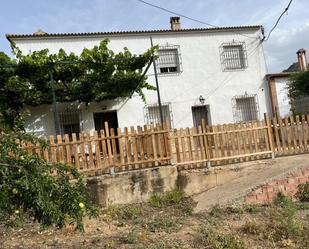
(94, 75)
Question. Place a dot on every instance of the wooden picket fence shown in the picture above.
(126, 149)
(110, 150)
(222, 144)
(290, 134)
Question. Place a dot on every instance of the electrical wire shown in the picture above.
(278, 20)
(187, 17)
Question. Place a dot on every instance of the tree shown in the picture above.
(95, 75)
(299, 84)
(31, 188)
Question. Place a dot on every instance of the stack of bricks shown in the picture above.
(288, 186)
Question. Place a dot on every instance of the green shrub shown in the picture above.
(283, 222)
(170, 198)
(303, 192)
(28, 188)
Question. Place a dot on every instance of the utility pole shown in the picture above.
(56, 117)
(157, 86)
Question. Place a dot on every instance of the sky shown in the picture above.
(61, 16)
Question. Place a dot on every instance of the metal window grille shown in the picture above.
(169, 60)
(233, 56)
(70, 121)
(246, 108)
(152, 114)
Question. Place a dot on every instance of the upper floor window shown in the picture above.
(233, 56)
(169, 60)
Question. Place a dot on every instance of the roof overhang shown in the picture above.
(278, 75)
(12, 37)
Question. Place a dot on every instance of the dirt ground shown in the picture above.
(168, 222)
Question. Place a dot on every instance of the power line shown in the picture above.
(278, 20)
(187, 17)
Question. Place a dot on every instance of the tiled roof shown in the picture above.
(43, 35)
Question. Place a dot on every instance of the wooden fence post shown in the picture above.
(270, 137)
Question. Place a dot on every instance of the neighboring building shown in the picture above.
(278, 88)
(212, 73)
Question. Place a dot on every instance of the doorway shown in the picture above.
(199, 113)
(101, 117)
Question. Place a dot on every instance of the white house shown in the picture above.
(281, 103)
(212, 73)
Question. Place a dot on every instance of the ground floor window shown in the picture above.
(152, 114)
(70, 122)
(245, 107)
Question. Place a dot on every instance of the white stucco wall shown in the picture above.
(202, 75)
(282, 96)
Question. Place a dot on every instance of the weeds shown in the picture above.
(170, 198)
(303, 192)
(123, 213)
(211, 239)
(162, 224)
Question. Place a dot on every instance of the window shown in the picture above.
(70, 122)
(245, 108)
(233, 56)
(152, 114)
(169, 60)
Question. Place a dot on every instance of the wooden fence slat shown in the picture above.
(282, 135)
(109, 148)
(305, 127)
(90, 153)
(293, 133)
(189, 137)
(275, 128)
(60, 148)
(97, 152)
(121, 149)
(134, 145)
(114, 150)
(288, 133)
(299, 134)
(53, 149)
(176, 139)
(82, 152)
(75, 151)
(67, 148)
(105, 164)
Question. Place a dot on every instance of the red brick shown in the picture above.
(302, 180)
(281, 188)
(291, 180)
(250, 199)
(282, 181)
(258, 191)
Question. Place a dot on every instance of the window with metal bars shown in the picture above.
(233, 56)
(70, 122)
(169, 60)
(245, 108)
(152, 114)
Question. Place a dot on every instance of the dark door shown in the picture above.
(101, 117)
(199, 113)
(111, 118)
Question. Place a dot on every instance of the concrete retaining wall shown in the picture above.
(133, 186)
(252, 182)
